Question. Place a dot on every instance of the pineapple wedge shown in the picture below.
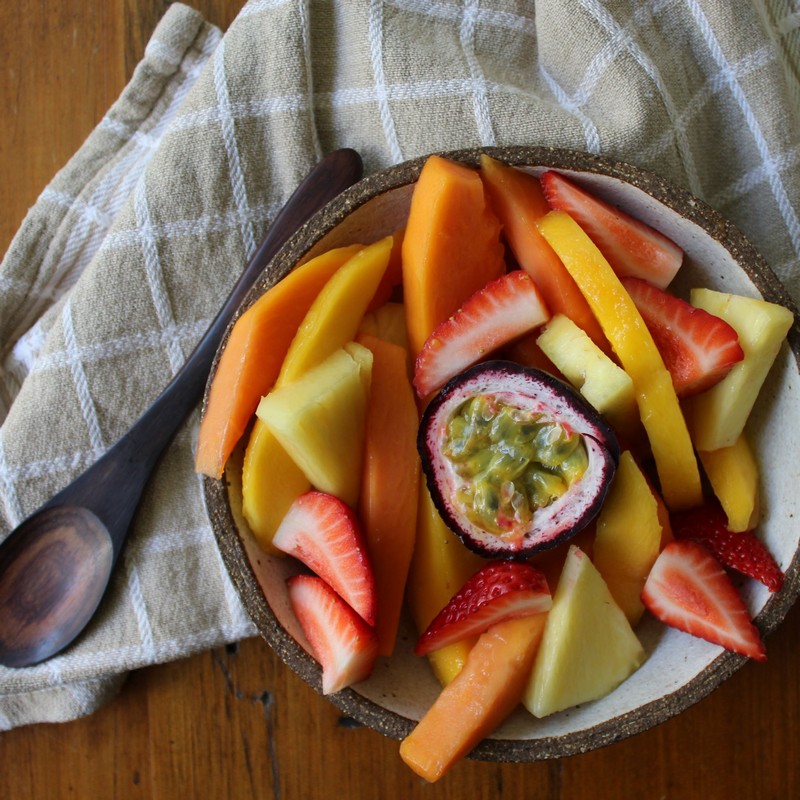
(717, 416)
(319, 420)
(602, 382)
(588, 647)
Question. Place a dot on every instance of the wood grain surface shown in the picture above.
(235, 722)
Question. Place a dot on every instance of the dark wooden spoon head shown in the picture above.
(54, 570)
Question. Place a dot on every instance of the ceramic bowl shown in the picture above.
(680, 669)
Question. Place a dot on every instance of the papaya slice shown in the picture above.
(390, 477)
(451, 245)
(474, 704)
(253, 355)
(519, 202)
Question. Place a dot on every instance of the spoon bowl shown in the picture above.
(55, 566)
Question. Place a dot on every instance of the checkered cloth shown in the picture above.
(128, 253)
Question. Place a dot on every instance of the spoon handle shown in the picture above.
(129, 463)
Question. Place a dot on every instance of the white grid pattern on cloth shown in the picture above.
(108, 227)
(480, 102)
(376, 58)
(76, 370)
(768, 164)
(96, 211)
(227, 125)
(155, 277)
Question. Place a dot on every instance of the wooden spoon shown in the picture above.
(55, 566)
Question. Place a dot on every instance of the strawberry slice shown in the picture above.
(629, 245)
(699, 349)
(324, 533)
(344, 645)
(688, 589)
(495, 315)
(743, 552)
(498, 591)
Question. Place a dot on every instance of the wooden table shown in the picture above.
(235, 722)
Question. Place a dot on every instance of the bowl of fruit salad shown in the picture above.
(499, 453)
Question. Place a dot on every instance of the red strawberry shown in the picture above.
(499, 591)
(744, 552)
(344, 645)
(698, 348)
(688, 589)
(503, 310)
(324, 533)
(630, 246)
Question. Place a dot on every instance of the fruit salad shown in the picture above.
(503, 420)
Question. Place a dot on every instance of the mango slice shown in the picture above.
(625, 329)
(335, 315)
(439, 568)
(734, 476)
(628, 537)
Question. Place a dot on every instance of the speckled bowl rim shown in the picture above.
(232, 548)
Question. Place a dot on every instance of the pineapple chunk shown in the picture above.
(588, 647)
(734, 476)
(717, 416)
(319, 420)
(602, 382)
(628, 537)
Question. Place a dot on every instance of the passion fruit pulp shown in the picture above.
(516, 461)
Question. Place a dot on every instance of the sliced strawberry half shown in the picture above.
(688, 589)
(495, 315)
(699, 349)
(324, 533)
(629, 245)
(345, 646)
(741, 551)
(499, 591)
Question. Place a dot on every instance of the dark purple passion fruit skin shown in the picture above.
(561, 401)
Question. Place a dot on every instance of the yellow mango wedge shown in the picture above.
(734, 476)
(678, 471)
(439, 568)
(628, 537)
(270, 479)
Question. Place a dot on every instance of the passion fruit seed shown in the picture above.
(515, 460)
(511, 461)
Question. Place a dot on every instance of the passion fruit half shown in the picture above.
(516, 461)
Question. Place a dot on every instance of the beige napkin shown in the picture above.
(129, 252)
